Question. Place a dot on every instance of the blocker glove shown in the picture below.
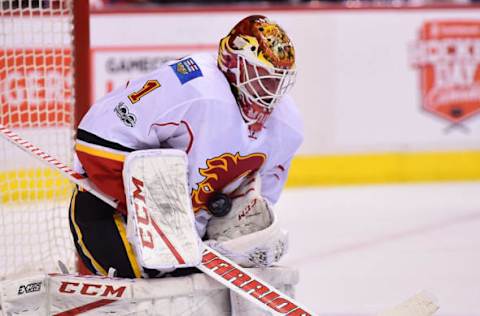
(249, 233)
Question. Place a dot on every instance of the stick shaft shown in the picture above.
(54, 163)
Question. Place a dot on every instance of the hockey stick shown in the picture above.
(213, 263)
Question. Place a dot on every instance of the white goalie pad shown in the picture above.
(25, 295)
(193, 295)
(161, 224)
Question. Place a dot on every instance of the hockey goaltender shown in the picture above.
(194, 154)
(178, 173)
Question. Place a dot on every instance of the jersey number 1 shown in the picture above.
(148, 87)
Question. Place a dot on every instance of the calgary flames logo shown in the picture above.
(448, 57)
(221, 171)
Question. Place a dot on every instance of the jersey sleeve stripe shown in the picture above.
(88, 137)
(97, 152)
(106, 174)
(187, 126)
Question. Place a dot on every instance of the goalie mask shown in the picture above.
(258, 59)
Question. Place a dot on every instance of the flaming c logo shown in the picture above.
(221, 171)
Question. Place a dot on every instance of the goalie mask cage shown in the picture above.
(41, 43)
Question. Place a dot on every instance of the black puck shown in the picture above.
(219, 205)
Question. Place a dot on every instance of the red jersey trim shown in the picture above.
(189, 130)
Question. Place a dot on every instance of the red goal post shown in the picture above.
(44, 91)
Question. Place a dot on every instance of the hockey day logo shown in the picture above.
(447, 56)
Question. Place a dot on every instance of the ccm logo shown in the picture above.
(143, 216)
(29, 288)
(91, 289)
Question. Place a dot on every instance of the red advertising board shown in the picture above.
(35, 87)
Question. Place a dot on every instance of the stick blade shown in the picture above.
(422, 304)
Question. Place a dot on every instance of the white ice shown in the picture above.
(361, 249)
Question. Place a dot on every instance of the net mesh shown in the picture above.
(36, 102)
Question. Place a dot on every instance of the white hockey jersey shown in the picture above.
(187, 105)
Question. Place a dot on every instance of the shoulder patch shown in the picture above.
(186, 70)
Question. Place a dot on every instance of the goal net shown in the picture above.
(37, 102)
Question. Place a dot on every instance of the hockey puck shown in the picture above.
(219, 205)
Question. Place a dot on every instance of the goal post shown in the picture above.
(81, 59)
(44, 84)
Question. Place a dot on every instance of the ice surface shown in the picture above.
(363, 249)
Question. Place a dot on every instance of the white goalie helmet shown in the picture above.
(258, 59)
